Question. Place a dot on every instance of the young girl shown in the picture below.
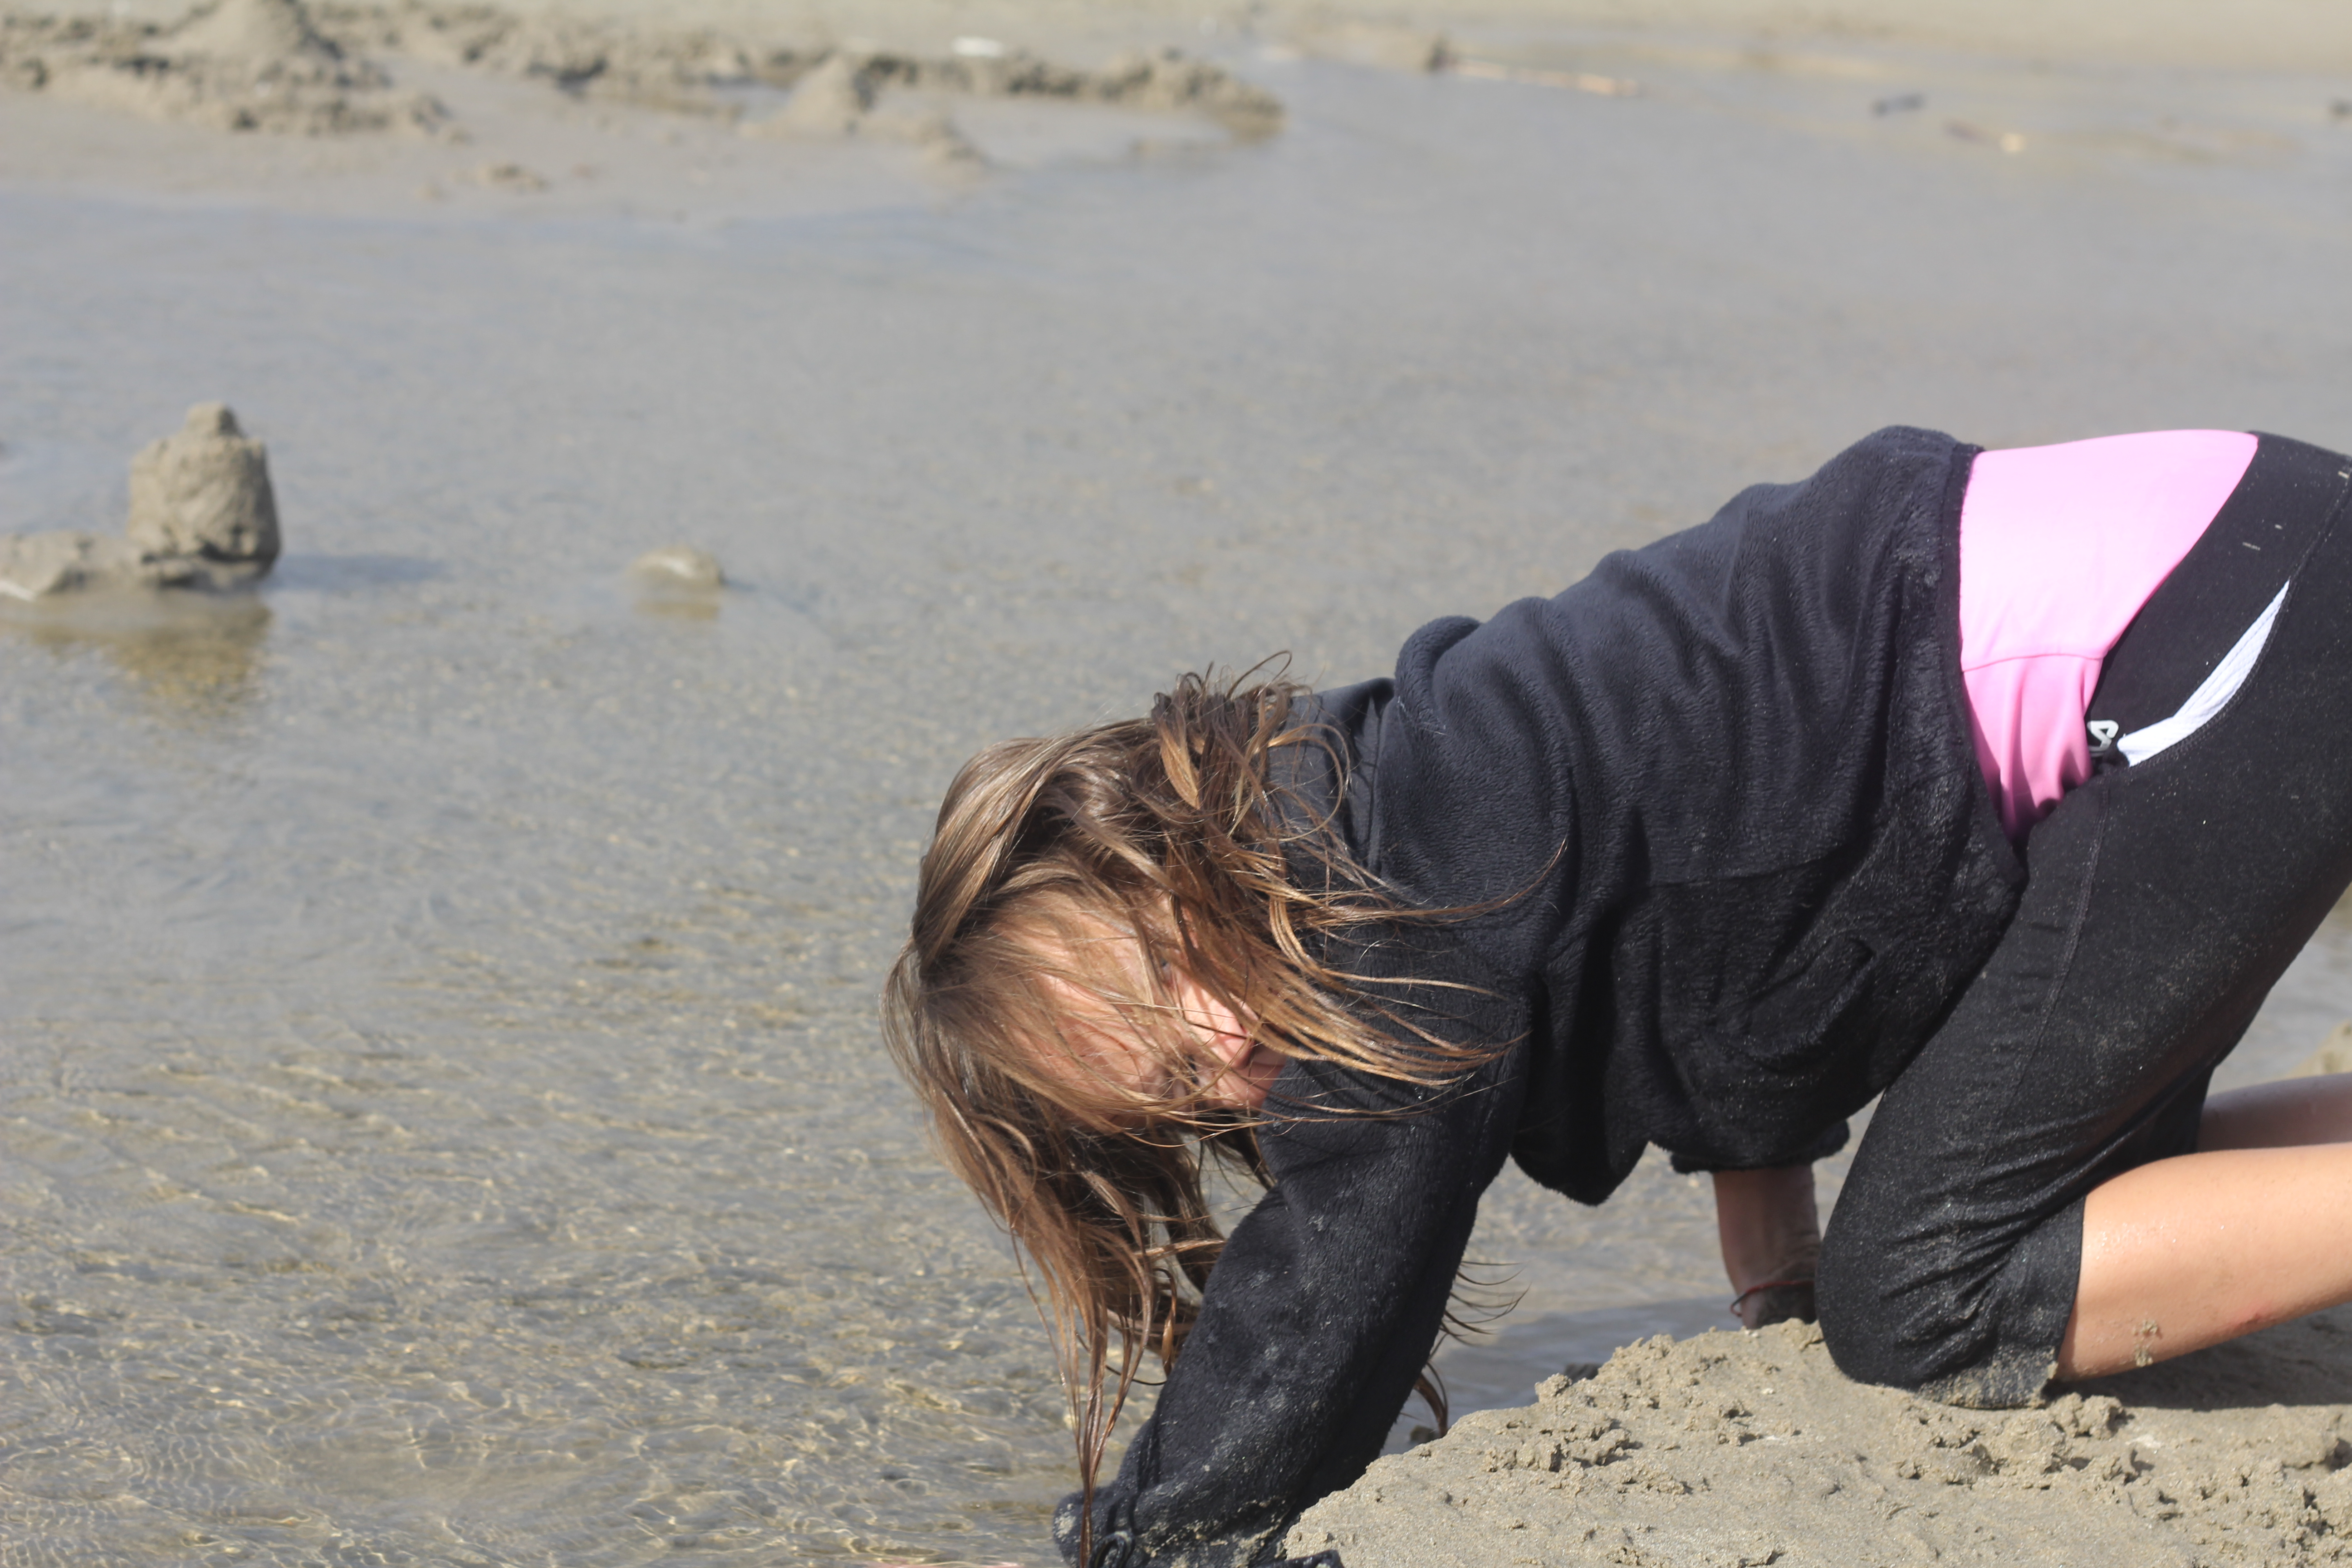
(2004, 783)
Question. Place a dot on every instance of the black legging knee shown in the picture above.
(2163, 901)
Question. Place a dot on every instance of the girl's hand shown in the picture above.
(1772, 1233)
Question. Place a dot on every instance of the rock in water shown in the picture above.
(678, 566)
(204, 492)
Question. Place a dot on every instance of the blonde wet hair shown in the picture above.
(1069, 879)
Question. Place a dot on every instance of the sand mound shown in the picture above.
(203, 515)
(841, 95)
(205, 491)
(275, 64)
(234, 65)
(835, 90)
(256, 33)
(1746, 1448)
(653, 68)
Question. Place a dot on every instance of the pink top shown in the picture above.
(2059, 546)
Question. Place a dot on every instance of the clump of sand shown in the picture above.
(234, 65)
(673, 69)
(1731, 1449)
(836, 86)
(279, 65)
(843, 95)
(679, 581)
(203, 515)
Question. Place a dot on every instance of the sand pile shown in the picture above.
(234, 65)
(844, 94)
(273, 65)
(203, 515)
(687, 70)
(1732, 1449)
(674, 69)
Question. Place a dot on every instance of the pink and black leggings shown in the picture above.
(2167, 892)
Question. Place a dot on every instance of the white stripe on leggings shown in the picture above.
(2210, 698)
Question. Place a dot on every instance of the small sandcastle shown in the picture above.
(203, 515)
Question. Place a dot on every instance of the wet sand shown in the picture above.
(1734, 1449)
(444, 1116)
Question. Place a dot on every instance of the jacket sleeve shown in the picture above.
(1316, 1319)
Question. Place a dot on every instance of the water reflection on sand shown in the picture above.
(189, 658)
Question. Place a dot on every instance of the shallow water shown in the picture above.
(444, 1116)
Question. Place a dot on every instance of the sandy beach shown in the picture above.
(446, 1118)
(1749, 1448)
(412, 101)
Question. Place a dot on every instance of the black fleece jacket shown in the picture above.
(1722, 799)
